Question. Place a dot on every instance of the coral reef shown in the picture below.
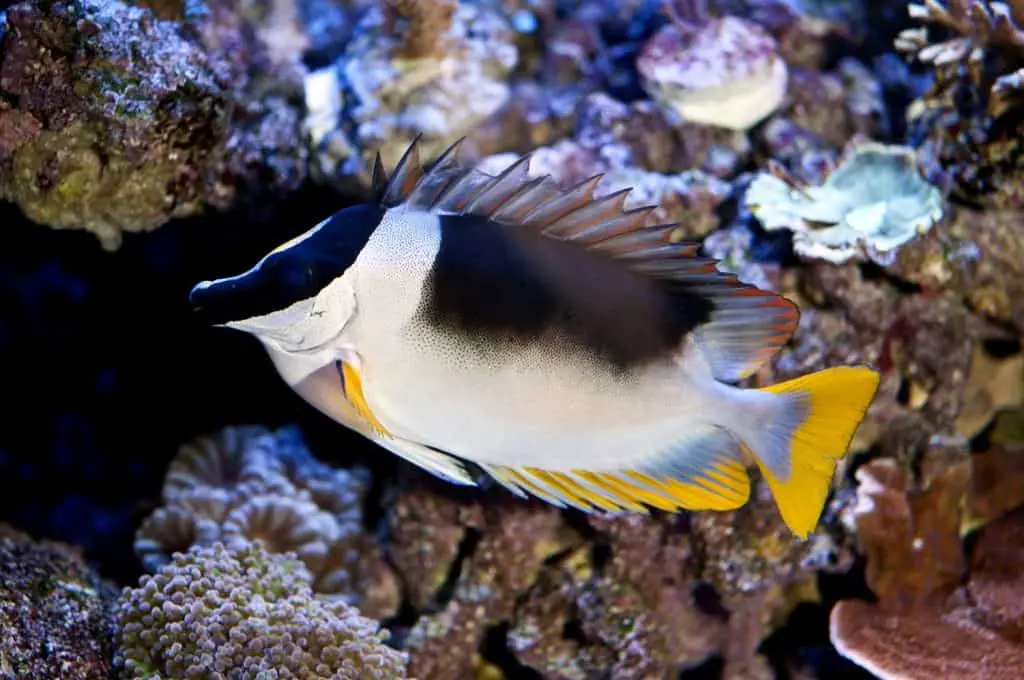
(245, 612)
(692, 197)
(639, 589)
(440, 74)
(976, 255)
(119, 122)
(969, 121)
(56, 614)
(248, 484)
(776, 133)
(925, 621)
(921, 343)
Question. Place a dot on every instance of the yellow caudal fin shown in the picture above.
(809, 433)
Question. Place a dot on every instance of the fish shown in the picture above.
(500, 326)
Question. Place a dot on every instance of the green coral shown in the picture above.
(113, 119)
(245, 613)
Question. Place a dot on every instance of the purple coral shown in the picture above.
(247, 483)
(55, 612)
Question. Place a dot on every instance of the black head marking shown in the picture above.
(509, 283)
(295, 273)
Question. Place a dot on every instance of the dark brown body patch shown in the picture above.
(496, 283)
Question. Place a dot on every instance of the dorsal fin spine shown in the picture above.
(550, 212)
(748, 325)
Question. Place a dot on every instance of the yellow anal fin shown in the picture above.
(353, 385)
(724, 485)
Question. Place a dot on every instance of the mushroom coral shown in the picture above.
(926, 624)
(873, 202)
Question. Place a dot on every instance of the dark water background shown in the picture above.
(105, 373)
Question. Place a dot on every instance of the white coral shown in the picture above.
(726, 74)
(874, 202)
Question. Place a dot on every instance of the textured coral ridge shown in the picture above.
(943, 611)
(417, 67)
(114, 120)
(245, 613)
(48, 595)
(247, 483)
(627, 586)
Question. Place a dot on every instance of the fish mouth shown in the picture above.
(216, 302)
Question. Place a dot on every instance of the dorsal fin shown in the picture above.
(747, 326)
(408, 173)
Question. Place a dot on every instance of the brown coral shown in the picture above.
(426, 22)
(124, 120)
(925, 623)
(516, 541)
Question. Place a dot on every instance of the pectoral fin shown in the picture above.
(431, 460)
(353, 386)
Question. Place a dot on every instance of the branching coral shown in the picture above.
(979, 27)
(972, 117)
(244, 613)
(246, 483)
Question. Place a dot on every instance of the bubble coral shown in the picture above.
(247, 483)
(723, 72)
(219, 612)
(871, 204)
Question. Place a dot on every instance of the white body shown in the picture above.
(523, 409)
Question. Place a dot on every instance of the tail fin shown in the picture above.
(810, 429)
